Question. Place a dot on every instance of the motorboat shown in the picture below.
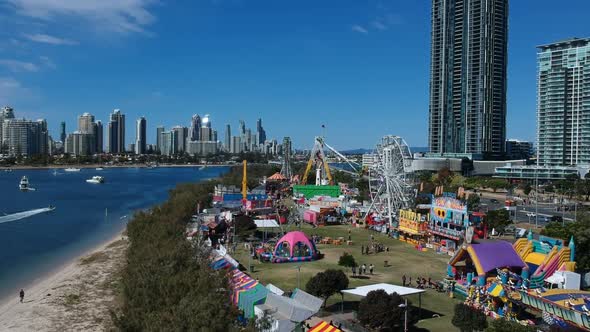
(96, 180)
(7, 170)
(99, 168)
(24, 184)
(71, 169)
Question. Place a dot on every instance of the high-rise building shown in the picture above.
(80, 144)
(195, 130)
(85, 122)
(98, 136)
(468, 77)
(242, 128)
(516, 149)
(7, 113)
(206, 121)
(236, 145)
(24, 137)
(62, 131)
(116, 134)
(563, 116)
(159, 131)
(227, 141)
(140, 135)
(180, 138)
(261, 133)
(166, 143)
(286, 167)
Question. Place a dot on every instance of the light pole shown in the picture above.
(298, 267)
(405, 306)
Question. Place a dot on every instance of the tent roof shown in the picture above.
(324, 327)
(311, 302)
(277, 177)
(388, 288)
(266, 223)
(287, 307)
(488, 256)
(292, 238)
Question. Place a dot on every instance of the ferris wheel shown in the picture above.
(390, 178)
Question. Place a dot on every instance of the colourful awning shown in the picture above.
(324, 327)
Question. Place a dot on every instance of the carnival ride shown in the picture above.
(390, 178)
(318, 158)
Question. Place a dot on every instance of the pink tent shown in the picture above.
(295, 244)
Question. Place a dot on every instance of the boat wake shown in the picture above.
(24, 214)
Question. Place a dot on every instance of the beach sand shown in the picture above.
(77, 297)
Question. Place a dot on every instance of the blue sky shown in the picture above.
(360, 67)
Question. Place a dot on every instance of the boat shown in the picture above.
(7, 170)
(54, 172)
(71, 169)
(99, 168)
(96, 179)
(24, 184)
(202, 167)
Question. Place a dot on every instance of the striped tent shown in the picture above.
(324, 327)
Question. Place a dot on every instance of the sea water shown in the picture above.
(85, 214)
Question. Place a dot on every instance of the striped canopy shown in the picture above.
(324, 327)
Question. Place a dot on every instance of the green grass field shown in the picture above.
(402, 259)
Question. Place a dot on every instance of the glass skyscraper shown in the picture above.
(563, 115)
(468, 77)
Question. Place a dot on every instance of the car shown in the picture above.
(493, 200)
(556, 219)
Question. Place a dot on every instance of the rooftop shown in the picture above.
(567, 42)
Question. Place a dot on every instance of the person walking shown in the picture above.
(371, 267)
(362, 249)
(354, 271)
(22, 295)
(404, 280)
(364, 269)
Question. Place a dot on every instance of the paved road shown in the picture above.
(527, 213)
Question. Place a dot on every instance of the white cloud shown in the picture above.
(46, 61)
(11, 91)
(122, 16)
(47, 39)
(18, 66)
(358, 28)
(378, 25)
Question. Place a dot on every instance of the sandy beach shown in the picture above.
(76, 297)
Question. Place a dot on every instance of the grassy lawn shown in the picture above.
(402, 259)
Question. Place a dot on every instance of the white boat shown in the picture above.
(54, 172)
(24, 184)
(71, 169)
(99, 168)
(202, 167)
(96, 179)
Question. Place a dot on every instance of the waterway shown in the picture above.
(34, 242)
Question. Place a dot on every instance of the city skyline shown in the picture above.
(356, 69)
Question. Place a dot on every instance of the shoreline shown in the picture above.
(44, 289)
(86, 166)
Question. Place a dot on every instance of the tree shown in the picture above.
(468, 319)
(327, 283)
(496, 184)
(347, 260)
(527, 189)
(502, 325)
(379, 310)
(444, 176)
(245, 225)
(498, 219)
(473, 202)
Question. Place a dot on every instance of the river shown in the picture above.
(85, 214)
